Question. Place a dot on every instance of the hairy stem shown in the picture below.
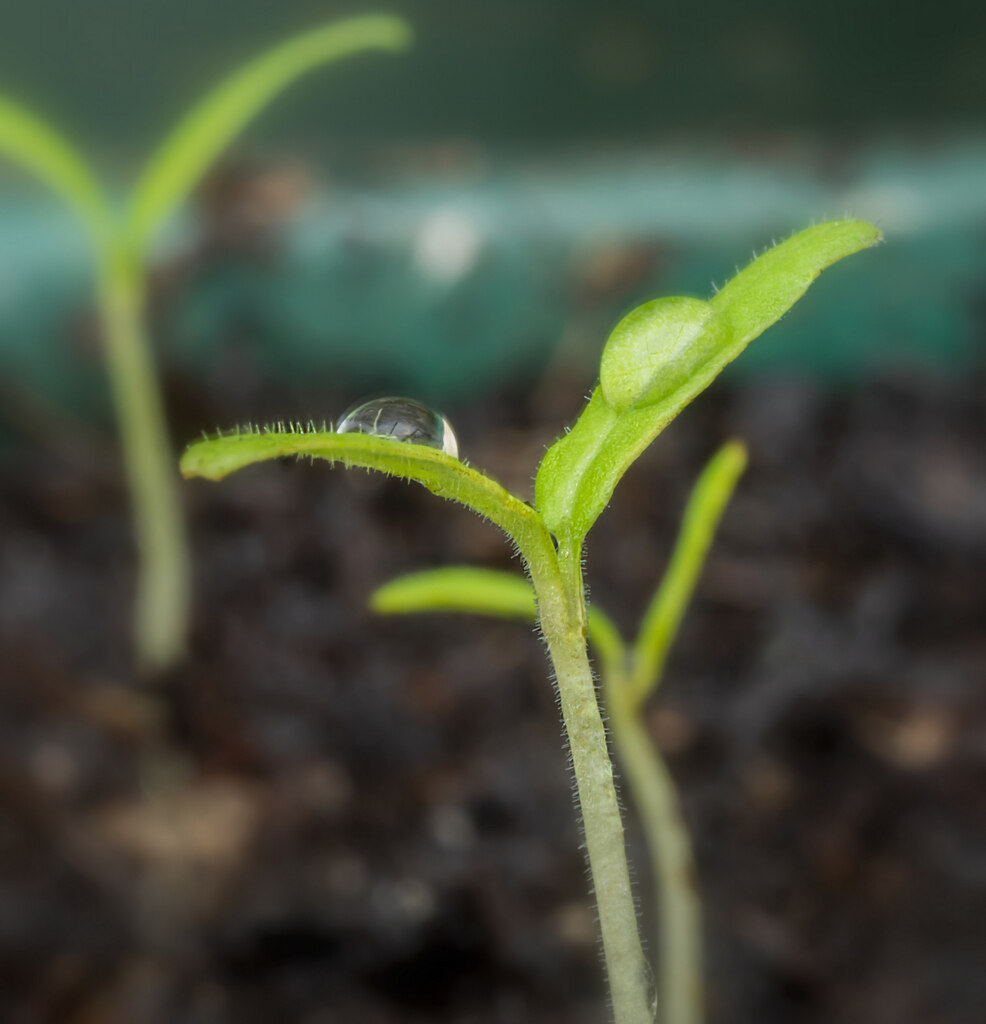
(562, 613)
(679, 906)
(163, 574)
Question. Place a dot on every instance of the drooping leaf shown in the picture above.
(442, 474)
(580, 471)
(200, 137)
(46, 153)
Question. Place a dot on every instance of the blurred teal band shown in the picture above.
(446, 289)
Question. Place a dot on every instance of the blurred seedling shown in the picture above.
(629, 677)
(657, 359)
(122, 240)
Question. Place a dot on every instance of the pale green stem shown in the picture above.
(163, 575)
(672, 864)
(562, 614)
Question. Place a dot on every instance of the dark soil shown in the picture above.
(326, 817)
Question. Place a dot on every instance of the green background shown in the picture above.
(555, 132)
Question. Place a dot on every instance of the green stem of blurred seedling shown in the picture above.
(162, 598)
(162, 585)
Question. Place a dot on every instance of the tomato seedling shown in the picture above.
(657, 359)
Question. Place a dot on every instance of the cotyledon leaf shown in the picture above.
(580, 471)
(37, 146)
(459, 588)
(212, 124)
(217, 457)
(761, 293)
(477, 591)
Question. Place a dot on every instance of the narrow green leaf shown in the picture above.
(211, 125)
(580, 471)
(704, 510)
(39, 148)
(458, 588)
(441, 474)
(761, 293)
(490, 592)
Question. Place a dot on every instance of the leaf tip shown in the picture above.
(854, 234)
(190, 463)
(383, 602)
(736, 453)
(870, 234)
(394, 32)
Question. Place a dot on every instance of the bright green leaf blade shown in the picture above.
(36, 146)
(211, 126)
(566, 473)
(459, 589)
(443, 475)
(484, 592)
(760, 294)
(579, 472)
(704, 510)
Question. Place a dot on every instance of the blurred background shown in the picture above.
(359, 820)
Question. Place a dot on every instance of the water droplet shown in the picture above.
(403, 419)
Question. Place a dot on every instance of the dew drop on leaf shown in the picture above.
(403, 419)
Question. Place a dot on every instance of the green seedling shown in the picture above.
(121, 241)
(629, 677)
(655, 362)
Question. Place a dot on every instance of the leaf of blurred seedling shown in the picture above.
(121, 250)
(656, 361)
(38, 148)
(209, 128)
